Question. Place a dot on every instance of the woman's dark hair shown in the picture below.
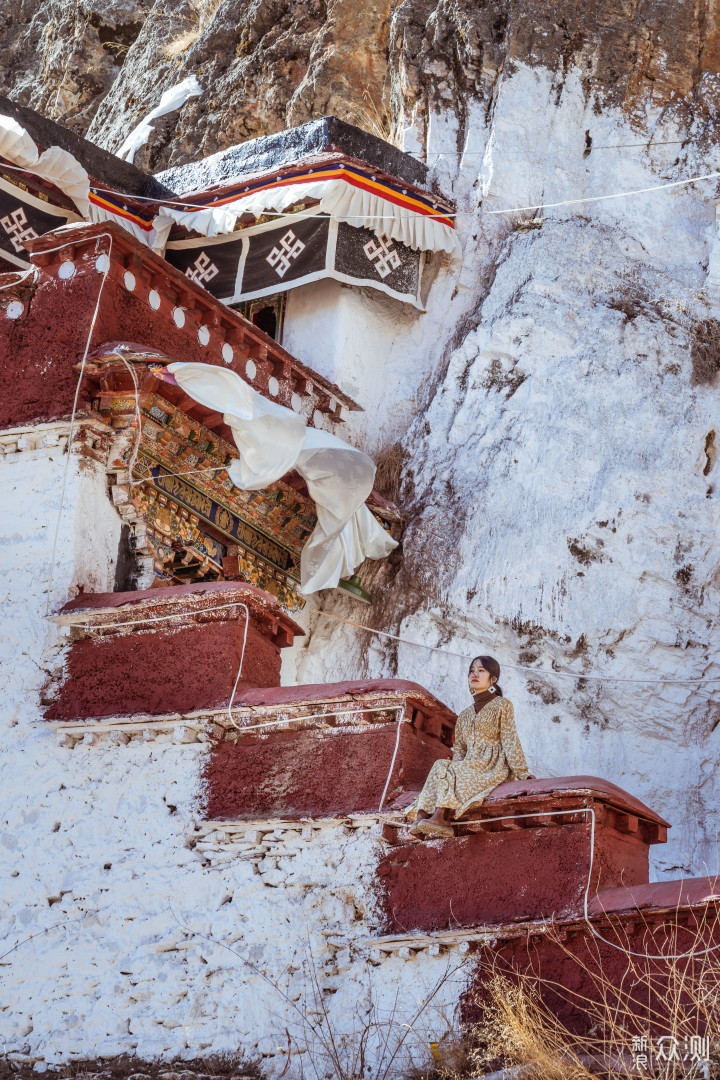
(491, 665)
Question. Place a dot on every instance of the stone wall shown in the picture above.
(130, 924)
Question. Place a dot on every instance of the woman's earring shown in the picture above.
(491, 689)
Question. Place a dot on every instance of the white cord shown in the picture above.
(591, 810)
(440, 214)
(105, 272)
(313, 716)
(517, 667)
(240, 666)
(421, 645)
(401, 712)
(157, 618)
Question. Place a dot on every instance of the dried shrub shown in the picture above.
(523, 1027)
(202, 13)
(705, 352)
(390, 462)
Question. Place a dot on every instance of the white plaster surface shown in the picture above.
(119, 934)
(561, 509)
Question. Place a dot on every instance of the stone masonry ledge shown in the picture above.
(190, 603)
(506, 797)
(606, 910)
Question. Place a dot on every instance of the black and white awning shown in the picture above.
(278, 256)
(24, 217)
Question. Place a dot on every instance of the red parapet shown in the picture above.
(325, 750)
(638, 966)
(47, 324)
(503, 865)
(175, 650)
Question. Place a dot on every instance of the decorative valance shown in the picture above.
(24, 217)
(278, 256)
(346, 193)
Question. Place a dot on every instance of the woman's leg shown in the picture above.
(442, 815)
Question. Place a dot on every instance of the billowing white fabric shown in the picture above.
(215, 222)
(156, 238)
(172, 99)
(344, 202)
(272, 440)
(56, 165)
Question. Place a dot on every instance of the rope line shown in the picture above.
(448, 214)
(517, 667)
(591, 810)
(240, 666)
(313, 716)
(401, 713)
(418, 645)
(601, 198)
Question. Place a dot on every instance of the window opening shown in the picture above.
(267, 313)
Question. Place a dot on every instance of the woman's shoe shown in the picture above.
(426, 827)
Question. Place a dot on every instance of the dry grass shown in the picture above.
(365, 114)
(389, 464)
(670, 1004)
(202, 12)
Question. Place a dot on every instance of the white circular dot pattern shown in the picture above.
(179, 317)
(203, 335)
(66, 270)
(250, 369)
(227, 353)
(102, 264)
(296, 402)
(273, 386)
(318, 418)
(154, 299)
(129, 280)
(14, 309)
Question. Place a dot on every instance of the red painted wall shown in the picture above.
(38, 350)
(166, 671)
(573, 975)
(497, 877)
(298, 774)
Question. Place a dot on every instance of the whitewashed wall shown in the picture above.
(561, 508)
(118, 933)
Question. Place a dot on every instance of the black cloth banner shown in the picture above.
(273, 258)
(24, 217)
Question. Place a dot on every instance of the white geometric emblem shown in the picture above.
(16, 226)
(280, 257)
(387, 259)
(202, 270)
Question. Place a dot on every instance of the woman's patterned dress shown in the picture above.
(487, 752)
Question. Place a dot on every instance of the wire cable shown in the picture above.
(401, 717)
(591, 811)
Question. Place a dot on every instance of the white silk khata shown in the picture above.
(271, 441)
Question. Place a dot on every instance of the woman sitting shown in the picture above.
(487, 752)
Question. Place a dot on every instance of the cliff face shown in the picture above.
(560, 477)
